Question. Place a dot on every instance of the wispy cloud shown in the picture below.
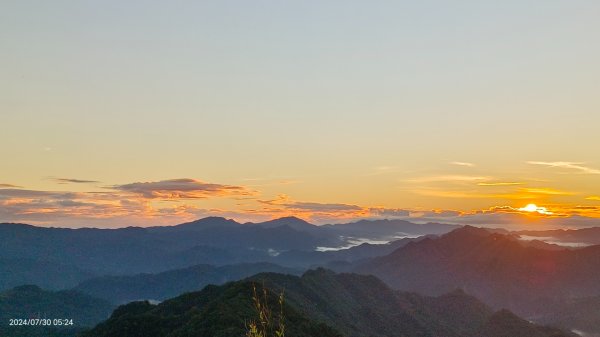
(449, 178)
(462, 163)
(285, 201)
(381, 170)
(500, 183)
(546, 191)
(9, 186)
(283, 205)
(73, 181)
(183, 189)
(577, 166)
(593, 197)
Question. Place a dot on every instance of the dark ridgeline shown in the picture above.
(541, 284)
(30, 301)
(320, 303)
(545, 283)
(168, 284)
(58, 258)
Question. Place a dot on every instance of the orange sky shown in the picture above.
(113, 114)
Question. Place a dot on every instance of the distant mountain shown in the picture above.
(588, 236)
(305, 259)
(579, 314)
(123, 289)
(135, 250)
(388, 229)
(68, 256)
(26, 302)
(506, 324)
(48, 275)
(202, 224)
(290, 221)
(499, 269)
(320, 303)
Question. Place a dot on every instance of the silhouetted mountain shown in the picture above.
(291, 221)
(123, 289)
(134, 250)
(316, 304)
(214, 311)
(496, 268)
(26, 302)
(305, 259)
(579, 314)
(387, 229)
(77, 254)
(48, 275)
(589, 236)
(204, 223)
(506, 324)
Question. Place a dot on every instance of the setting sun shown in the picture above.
(533, 208)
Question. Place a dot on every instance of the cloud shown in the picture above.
(73, 181)
(283, 201)
(593, 197)
(388, 212)
(546, 191)
(501, 183)
(317, 212)
(567, 165)
(141, 203)
(462, 163)
(183, 189)
(9, 186)
(381, 170)
(23, 193)
(449, 178)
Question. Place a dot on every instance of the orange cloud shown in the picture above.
(182, 189)
(501, 183)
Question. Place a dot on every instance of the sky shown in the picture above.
(119, 113)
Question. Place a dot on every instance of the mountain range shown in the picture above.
(70, 256)
(29, 301)
(499, 269)
(319, 303)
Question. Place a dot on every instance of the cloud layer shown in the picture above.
(182, 189)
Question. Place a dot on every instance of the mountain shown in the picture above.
(506, 324)
(150, 250)
(320, 303)
(217, 311)
(68, 256)
(48, 275)
(123, 289)
(27, 301)
(290, 221)
(202, 224)
(499, 269)
(577, 314)
(308, 259)
(388, 229)
(582, 236)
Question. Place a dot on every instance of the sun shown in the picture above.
(533, 208)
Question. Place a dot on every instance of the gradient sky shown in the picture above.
(461, 111)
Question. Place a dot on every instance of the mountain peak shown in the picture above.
(470, 231)
(211, 221)
(290, 221)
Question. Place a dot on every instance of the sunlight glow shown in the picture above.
(533, 208)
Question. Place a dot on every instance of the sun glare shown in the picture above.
(533, 208)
